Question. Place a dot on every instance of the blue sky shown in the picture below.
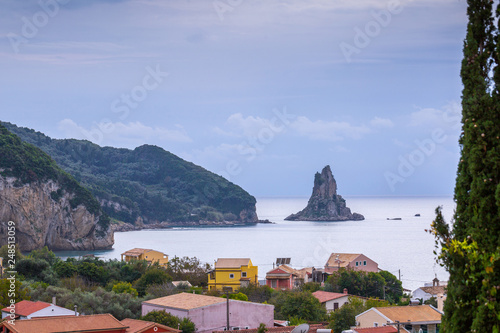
(265, 93)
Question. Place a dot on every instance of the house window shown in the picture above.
(375, 324)
(243, 274)
(364, 263)
(357, 263)
(164, 257)
(231, 276)
(335, 306)
(273, 284)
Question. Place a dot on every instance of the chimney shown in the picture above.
(76, 312)
(53, 300)
(440, 302)
(345, 291)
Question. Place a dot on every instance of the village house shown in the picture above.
(151, 256)
(285, 277)
(380, 329)
(141, 326)
(313, 328)
(209, 313)
(232, 273)
(102, 323)
(28, 309)
(332, 301)
(411, 318)
(427, 292)
(354, 261)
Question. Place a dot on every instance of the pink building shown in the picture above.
(209, 313)
(355, 261)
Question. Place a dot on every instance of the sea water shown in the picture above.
(402, 247)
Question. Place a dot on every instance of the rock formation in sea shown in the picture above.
(325, 204)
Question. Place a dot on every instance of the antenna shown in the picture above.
(303, 328)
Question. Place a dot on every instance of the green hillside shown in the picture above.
(30, 164)
(147, 182)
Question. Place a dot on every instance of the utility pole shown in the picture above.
(399, 270)
(227, 308)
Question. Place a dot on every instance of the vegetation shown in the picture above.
(470, 250)
(299, 304)
(165, 318)
(383, 285)
(29, 164)
(345, 317)
(146, 182)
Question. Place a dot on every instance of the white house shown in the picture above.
(425, 293)
(332, 301)
(29, 309)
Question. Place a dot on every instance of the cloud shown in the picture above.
(118, 134)
(328, 130)
(449, 116)
(381, 123)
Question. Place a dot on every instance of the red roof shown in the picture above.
(325, 296)
(139, 326)
(88, 324)
(26, 308)
(380, 329)
(278, 271)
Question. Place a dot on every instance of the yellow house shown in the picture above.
(149, 255)
(232, 273)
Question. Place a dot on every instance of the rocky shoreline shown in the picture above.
(123, 227)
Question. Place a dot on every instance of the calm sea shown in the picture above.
(401, 247)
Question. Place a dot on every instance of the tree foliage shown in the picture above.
(367, 284)
(167, 319)
(12, 289)
(470, 250)
(300, 304)
(345, 317)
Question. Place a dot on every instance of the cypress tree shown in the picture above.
(471, 250)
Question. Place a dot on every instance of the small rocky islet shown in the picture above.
(325, 204)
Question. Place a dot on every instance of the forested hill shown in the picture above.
(47, 205)
(147, 184)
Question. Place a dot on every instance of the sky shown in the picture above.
(264, 93)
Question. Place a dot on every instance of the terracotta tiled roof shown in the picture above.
(434, 290)
(419, 313)
(285, 329)
(278, 271)
(93, 323)
(135, 252)
(344, 258)
(325, 296)
(232, 262)
(380, 329)
(139, 326)
(25, 308)
(185, 301)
